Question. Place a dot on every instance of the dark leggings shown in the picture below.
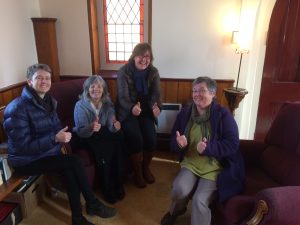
(139, 134)
(71, 167)
(107, 148)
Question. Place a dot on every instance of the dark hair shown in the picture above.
(210, 83)
(32, 69)
(88, 82)
(140, 49)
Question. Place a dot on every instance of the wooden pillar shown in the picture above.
(46, 44)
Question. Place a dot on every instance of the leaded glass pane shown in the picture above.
(123, 22)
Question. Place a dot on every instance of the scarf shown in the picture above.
(45, 102)
(201, 120)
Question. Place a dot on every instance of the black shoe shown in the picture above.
(169, 219)
(120, 194)
(101, 210)
(110, 198)
(80, 221)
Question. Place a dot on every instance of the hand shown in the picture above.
(116, 123)
(201, 146)
(63, 136)
(181, 140)
(136, 110)
(96, 125)
(155, 110)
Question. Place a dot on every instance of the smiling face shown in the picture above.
(96, 91)
(202, 97)
(141, 62)
(40, 82)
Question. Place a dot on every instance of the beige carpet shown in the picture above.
(140, 206)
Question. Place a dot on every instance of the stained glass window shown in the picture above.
(123, 28)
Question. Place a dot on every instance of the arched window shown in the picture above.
(128, 22)
(123, 28)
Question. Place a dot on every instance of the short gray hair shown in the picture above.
(88, 82)
(32, 69)
(210, 83)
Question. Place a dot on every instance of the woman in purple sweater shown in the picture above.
(206, 135)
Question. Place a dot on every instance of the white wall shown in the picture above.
(17, 43)
(253, 68)
(189, 38)
(193, 38)
(72, 33)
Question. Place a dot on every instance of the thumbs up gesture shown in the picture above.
(136, 110)
(63, 136)
(201, 146)
(116, 123)
(181, 140)
(96, 125)
(155, 110)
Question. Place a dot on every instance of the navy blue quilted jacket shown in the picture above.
(30, 129)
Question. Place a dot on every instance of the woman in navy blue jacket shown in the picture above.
(206, 135)
(35, 139)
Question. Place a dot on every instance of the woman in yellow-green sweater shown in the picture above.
(206, 135)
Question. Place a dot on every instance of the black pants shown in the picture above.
(140, 134)
(107, 148)
(71, 167)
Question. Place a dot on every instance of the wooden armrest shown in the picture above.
(9, 186)
(261, 210)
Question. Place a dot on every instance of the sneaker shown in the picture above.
(80, 221)
(101, 210)
(169, 219)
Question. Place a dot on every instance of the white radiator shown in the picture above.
(167, 117)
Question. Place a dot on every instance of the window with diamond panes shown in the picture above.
(123, 27)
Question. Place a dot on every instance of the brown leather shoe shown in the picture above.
(136, 161)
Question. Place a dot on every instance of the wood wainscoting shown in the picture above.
(173, 90)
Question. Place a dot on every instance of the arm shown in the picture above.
(27, 132)
(124, 99)
(179, 126)
(276, 206)
(225, 139)
(112, 123)
(155, 88)
(83, 120)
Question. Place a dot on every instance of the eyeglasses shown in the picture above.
(141, 57)
(39, 78)
(201, 91)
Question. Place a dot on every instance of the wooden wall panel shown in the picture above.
(172, 90)
(184, 92)
(169, 91)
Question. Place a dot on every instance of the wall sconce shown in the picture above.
(235, 95)
(236, 39)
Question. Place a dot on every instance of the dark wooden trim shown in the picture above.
(94, 38)
(46, 44)
(150, 22)
(94, 34)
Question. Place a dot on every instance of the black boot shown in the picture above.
(136, 161)
(80, 221)
(169, 219)
(149, 178)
